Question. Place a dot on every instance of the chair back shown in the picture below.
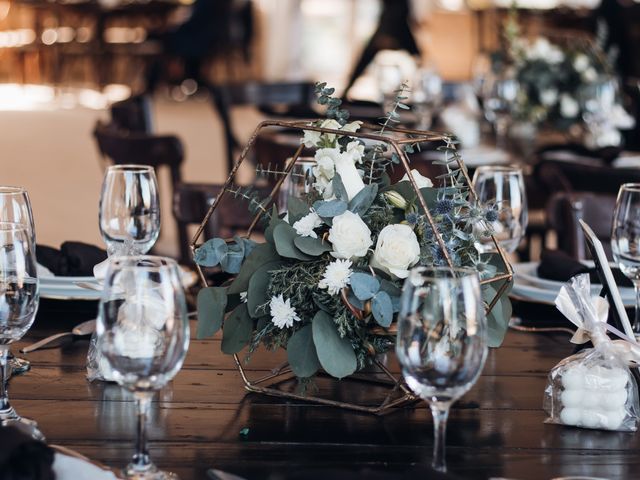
(133, 114)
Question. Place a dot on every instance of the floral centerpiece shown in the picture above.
(325, 282)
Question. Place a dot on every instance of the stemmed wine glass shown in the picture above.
(625, 239)
(15, 207)
(129, 209)
(442, 341)
(499, 100)
(143, 335)
(19, 298)
(502, 195)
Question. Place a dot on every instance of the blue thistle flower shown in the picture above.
(491, 215)
(443, 206)
(412, 218)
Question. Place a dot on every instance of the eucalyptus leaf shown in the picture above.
(237, 330)
(257, 295)
(301, 353)
(330, 209)
(364, 199)
(284, 236)
(312, 246)
(261, 254)
(364, 286)
(211, 304)
(211, 253)
(335, 353)
(355, 301)
(274, 221)
(338, 188)
(382, 309)
(498, 317)
(297, 209)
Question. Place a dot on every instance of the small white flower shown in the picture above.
(282, 313)
(349, 236)
(581, 62)
(311, 138)
(243, 297)
(332, 124)
(352, 127)
(325, 169)
(421, 181)
(569, 107)
(590, 75)
(356, 151)
(304, 227)
(397, 249)
(549, 97)
(336, 276)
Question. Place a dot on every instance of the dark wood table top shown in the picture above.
(496, 430)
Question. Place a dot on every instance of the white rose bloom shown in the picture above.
(421, 181)
(336, 276)
(620, 118)
(349, 175)
(352, 127)
(581, 62)
(349, 236)
(549, 97)
(310, 138)
(356, 150)
(569, 107)
(397, 249)
(304, 227)
(282, 313)
(325, 168)
(334, 125)
(590, 75)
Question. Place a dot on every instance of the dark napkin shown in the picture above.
(607, 154)
(74, 259)
(368, 474)
(23, 458)
(558, 265)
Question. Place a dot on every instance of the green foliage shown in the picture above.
(301, 353)
(334, 111)
(211, 303)
(335, 353)
(237, 330)
(284, 237)
(364, 285)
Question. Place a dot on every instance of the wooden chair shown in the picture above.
(122, 147)
(133, 114)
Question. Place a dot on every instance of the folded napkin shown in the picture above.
(74, 259)
(23, 458)
(558, 265)
(71, 468)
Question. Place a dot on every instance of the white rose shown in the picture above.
(349, 236)
(310, 138)
(581, 62)
(421, 181)
(352, 127)
(569, 108)
(332, 124)
(356, 150)
(549, 97)
(397, 249)
(349, 175)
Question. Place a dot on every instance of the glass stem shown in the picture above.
(440, 414)
(502, 127)
(636, 323)
(4, 379)
(141, 460)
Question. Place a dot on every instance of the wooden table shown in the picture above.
(496, 430)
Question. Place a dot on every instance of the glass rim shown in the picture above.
(12, 190)
(13, 226)
(130, 167)
(631, 187)
(127, 262)
(462, 271)
(500, 168)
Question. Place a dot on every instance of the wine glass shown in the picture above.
(625, 239)
(19, 298)
(502, 197)
(499, 100)
(389, 77)
(298, 183)
(426, 96)
(143, 335)
(442, 341)
(15, 207)
(129, 209)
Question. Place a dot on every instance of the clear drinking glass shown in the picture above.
(143, 335)
(129, 209)
(15, 207)
(499, 99)
(442, 341)
(298, 183)
(426, 96)
(18, 306)
(501, 193)
(625, 239)
(389, 77)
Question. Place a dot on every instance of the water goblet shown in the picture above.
(442, 341)
(129, 211)
(499, 100)
(502, 196)
(143, 335)
(15, 207)
(19, 298)
(625, 239)
(426, 96)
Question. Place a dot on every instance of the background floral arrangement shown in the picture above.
(326, 282)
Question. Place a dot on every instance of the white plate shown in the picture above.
(68, 293)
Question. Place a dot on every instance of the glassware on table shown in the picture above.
(389, 77)
(129, 209)
(426, 96)
(597, 101)
(500, 93)
(442, 341)
(625, 239)
(298, 183)
(19, 296)
(143, 335)
(15, 207)
(502, 196)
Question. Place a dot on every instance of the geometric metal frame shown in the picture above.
(398, 394)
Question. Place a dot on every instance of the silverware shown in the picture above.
(214, 474)
(85, 328)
